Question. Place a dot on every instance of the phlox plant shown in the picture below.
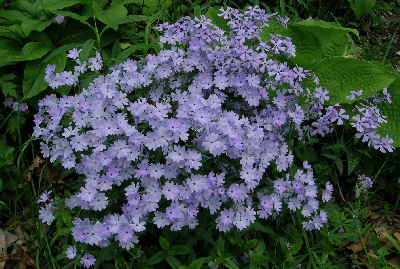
(205, 125)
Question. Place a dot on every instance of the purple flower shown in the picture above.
(88, 260)
(59, 19)
(44, 197)
(366, 182)
(196, 127)
(46, 214)
(73, 54)
(354, 95)
(71, 252)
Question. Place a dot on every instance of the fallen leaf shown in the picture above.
(395, 261)
(397, 235)
(355, 247)
(379, 232)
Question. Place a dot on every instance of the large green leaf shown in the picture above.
(332, 38)
(392, 113)
(314, 39)
(34, 74)
(361, 7)
(340, 75)
(31, 51)
(34, 25)
(13, 16)
(60, 4)
(113, 16)
(8, 48)
(61, 49)
(308, 48)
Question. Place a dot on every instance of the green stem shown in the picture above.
(362, 240)
(390, 44)
(96, 31)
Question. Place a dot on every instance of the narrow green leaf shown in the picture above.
(163, 243)
(220, 246)
(86, 50)
(173, 262)
(126, 53)
(157, 257)
(339, 165)
(252, 243)
(352, 162)
(198, 263)
(230, 264)
(116, 49)
(182, 250)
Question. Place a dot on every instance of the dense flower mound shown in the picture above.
(203, 125)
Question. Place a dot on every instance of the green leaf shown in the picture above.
(333, 39)
(34, 74)
(220, 246)
(60, 4)
(339, 165)
(157, 257)
(163, 243)
(126, 53)
(264, 228)
(198, 263)
(173, 262)
(308, 47)
(81, 19)
(340, 75)
(13, 16)
(252, 243)
(219, 21)
(34, 25)
(7, 86)
(230, 264)
(31, 51)
(392, 113)
(182, 250)
(361, 7)
(352, 161)
(116, 49)
(8, 48)
(62, 49)
(115, 15)
(86, 50)
(6, 153)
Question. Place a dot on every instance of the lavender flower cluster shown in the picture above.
(16, 106)
(368, 119)
(193, 128)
